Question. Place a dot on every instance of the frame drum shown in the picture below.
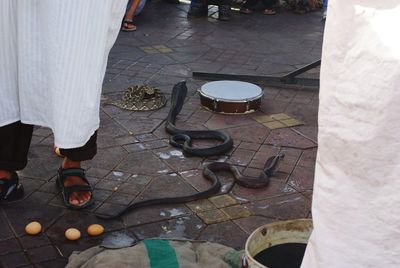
(230, 97)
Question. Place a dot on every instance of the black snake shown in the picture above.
(183, 138)
(270, 168)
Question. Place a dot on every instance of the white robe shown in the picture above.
(53, 55)
(356, 202)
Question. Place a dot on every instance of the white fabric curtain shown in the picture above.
(53, 55)
(356, 202)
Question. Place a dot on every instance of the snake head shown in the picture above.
(272, 164)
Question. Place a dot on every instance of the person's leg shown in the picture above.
(72, 159)
(248, 6)
(198, 8)
(224, 10)
(269, 7)
(15, 139)
(250, 3)
(324, 9)
(127, 24)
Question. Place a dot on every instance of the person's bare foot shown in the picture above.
(128, 25)
(76, 198)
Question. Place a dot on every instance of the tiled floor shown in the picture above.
(135, 161)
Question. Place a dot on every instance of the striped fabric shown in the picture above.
(53, 55)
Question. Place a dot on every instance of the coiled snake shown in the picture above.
(177, 98)
(183, 138)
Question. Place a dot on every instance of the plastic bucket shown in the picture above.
(273, 234)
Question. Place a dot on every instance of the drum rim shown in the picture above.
(228, 100)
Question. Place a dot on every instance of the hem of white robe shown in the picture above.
(60, 145)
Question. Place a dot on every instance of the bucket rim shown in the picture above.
(303, 221)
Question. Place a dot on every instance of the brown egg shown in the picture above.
(72, 234)
(95, 230)
(33, 228)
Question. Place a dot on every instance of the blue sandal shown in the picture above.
(66, 191)
(11, 189)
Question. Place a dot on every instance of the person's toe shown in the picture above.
(73, 199)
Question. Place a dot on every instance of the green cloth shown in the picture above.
(161, 254)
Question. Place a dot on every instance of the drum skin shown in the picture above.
(231, 97)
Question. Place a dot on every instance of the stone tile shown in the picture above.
(251, 133)
(22, 213)
(13, 260)
(292, 122)
(308, 158)
(177, 160)
(221, 201)
(302, 179)
(283, 207)
(140, 125)
(237, 212)
(42, 131)
(263, 118)
(154, 214)
(42, 254)
(310, 132)
(139, 181)
(35, 241)
(249, 146)
(41, 168)
(219, 121)
(134, 163)
(9, 246)
(146, 137)
(241, 157)
(274, 125)
(167, 186)
(101, 195)
(117, 175)
(124, 140)
(109, 185)
(67, 247)
(201, 205)
(305, 113)
(280, 116)
(251, 223)
(109, 209)
(185, 227)
(196, 179)
(269, 106)
(129, 188)
(57, 263)
(137, 147)
(97, 172)
(288, 138)
(40, 197)
(121, 199)
(226, 233)
(108, 158)
(213, 216)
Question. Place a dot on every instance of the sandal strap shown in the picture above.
(66, 172)
(68, 190)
